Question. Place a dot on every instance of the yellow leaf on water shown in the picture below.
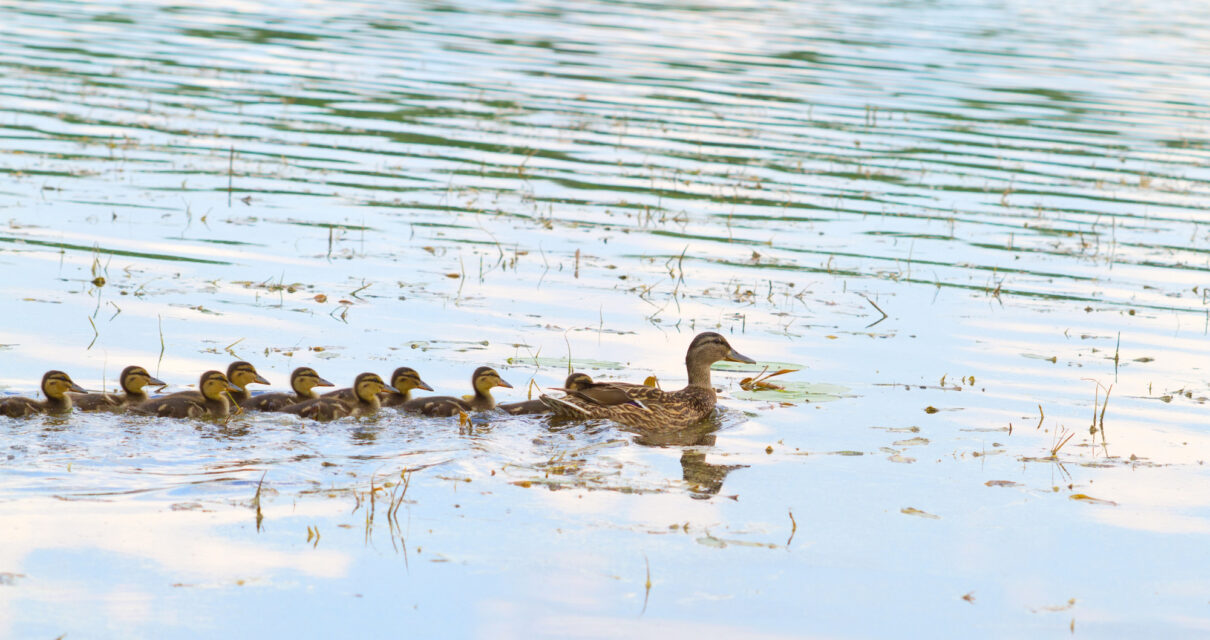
(916, 512)
(1087, 498)
(911, 442)
(931, 409)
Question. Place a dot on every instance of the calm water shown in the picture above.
(1022, 187)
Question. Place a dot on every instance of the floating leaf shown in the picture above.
(911, 442)
(1091, 500)
(1000, 483)
(796, 392)
(757, 367)
(561, 363)
(1052, 359)
(899, 429)
(916, 512)
(1058, 607)
(931, 409)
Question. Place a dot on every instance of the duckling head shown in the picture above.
(57, 383)
(303, 379)
(133, 379)
(213, 385)
(485, 379)
(242, 374)
(405, 379)
(367, 386)
(577, 381)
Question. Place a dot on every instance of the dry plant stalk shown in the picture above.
(761, 380)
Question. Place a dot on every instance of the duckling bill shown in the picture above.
(55, 385)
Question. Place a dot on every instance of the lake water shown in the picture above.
(1022, 188)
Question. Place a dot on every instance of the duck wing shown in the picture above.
(187, 404)
(524, 408)
(436, 406)
(19, 407)
(321, 408)
(95, 401)
(270, 402)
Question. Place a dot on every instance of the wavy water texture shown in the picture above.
(965, 223)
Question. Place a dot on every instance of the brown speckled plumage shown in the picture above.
(648, 408)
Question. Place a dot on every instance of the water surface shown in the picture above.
(1020, 187)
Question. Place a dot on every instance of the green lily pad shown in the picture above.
(725, 365)
(561, 363)
(796, 392)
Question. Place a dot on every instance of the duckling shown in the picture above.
(483, 380)
(303, 380)
(404, 379)
(241, 374)
(647, 408)
(208, 401)
(55, 385)
(367, 386)
(574, 382)
(132, 381)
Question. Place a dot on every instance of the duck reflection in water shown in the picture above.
(704, 479)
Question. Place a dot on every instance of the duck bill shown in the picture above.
(259, 379)
(231, 387)
(77, 388)
(324, 383)
(156, 382)
(735, 356)
(503, 383)
(421, 384)
(389, 390)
